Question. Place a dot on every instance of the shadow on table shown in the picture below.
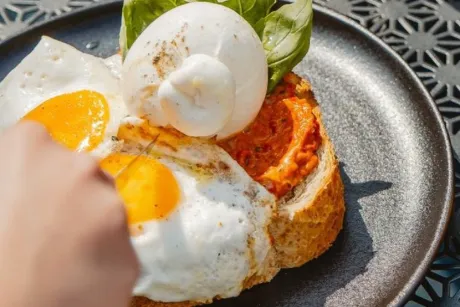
(313, 283)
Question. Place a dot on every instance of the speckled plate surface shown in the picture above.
(391, 141)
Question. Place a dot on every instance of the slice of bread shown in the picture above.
(309, 218)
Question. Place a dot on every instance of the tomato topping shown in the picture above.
(279, 148)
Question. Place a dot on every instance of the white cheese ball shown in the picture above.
(200, 68)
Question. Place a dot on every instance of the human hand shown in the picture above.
(63, 233)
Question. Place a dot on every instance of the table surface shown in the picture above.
(426, 33)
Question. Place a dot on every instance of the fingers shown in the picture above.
(45, 184)
(102, 187)
(102, 191)
(33, 134)
(107, 178)
(32, 129)
(27, 132)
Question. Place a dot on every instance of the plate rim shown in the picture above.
(448, 202)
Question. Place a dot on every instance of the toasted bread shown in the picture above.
(308, 220)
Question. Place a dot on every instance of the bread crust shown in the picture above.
(268, 275)
(313, 230)
(304, 227)
(145, 302)
(309, 232)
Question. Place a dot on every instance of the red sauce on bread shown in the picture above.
(279, 149)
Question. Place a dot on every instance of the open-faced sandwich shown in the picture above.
(219, 150)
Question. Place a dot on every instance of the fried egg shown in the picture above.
(76, 96)
(199, 223)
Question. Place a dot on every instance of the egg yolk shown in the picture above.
(76, 120)
(148, 188)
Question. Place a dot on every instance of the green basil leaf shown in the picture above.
(286, 38)
(251, 10)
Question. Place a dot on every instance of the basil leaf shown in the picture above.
(251, 10)
(286, 38)
(139, 14)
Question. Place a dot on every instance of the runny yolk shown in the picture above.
(76, 120)
(148, 188)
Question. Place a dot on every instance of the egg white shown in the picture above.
(54, 68)
(218, 235)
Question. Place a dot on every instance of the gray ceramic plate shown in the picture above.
(395, 154)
